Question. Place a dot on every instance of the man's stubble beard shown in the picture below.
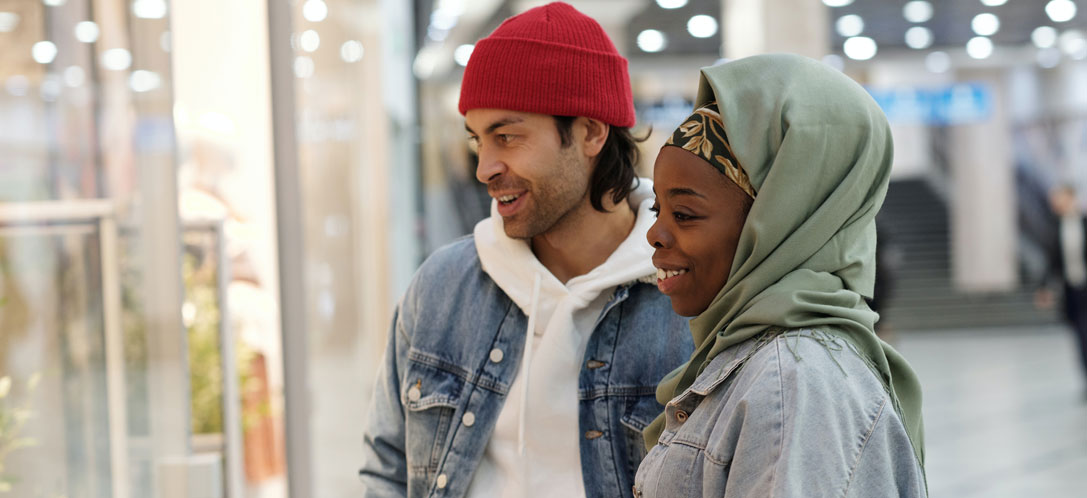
(555, 202)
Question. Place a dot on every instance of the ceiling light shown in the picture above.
(352, 51)
(985, 24)
(994, 3)
(1048, 58)
(74, 76)
(463, 53)
(86, 32)
(149, 9)
(443, 19)
(1072, 42)
(651, 41)
(141, 81)
(1060, 10)
(702, 26)
(1044, 36)
(919, 37)
(671, 4)
(860, 48)
(850, 25)
(44, 52)
(303, 66)
(938, 62)
(54, 3)
(8, 21)
(837, 3)
(116, 59)
(315, 10)
(309, 40)
(917, 11)
(979, 47)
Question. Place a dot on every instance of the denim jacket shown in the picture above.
(453, 351)
(799, 415)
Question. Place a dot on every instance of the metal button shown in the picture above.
(442, 481)
(593, 434)
(497, 355)
(594, 364)
(414, 393)
(681, 416)
(469, 419)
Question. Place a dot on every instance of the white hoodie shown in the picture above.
(534, 450)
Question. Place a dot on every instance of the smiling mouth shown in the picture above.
(663, 275)
(507, 199)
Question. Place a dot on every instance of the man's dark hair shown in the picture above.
(614, 171)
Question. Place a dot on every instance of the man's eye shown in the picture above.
(505, 139)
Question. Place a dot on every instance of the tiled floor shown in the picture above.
(1005, 412)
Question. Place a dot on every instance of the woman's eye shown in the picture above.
(682, 217)
(656, 210)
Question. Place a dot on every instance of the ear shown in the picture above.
(596, 135)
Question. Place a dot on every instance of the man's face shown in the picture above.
(537, 182)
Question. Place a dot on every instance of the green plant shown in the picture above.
(13, 417)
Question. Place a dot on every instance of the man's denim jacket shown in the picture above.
(455, 348)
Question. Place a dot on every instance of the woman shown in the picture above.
(766, 236)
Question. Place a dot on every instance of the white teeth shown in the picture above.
(665, 274)
(508, 198)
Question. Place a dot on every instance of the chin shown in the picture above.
(685, 309)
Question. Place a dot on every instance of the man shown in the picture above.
(1069, 263)
(465, 405)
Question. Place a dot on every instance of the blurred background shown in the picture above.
(209, 208)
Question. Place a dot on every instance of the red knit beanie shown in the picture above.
(550, 60)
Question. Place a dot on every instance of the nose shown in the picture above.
(658, 236)
(489, 167)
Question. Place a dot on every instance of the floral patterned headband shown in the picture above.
(703, 134)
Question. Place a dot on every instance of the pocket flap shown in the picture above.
(425, 386)
(641, 413)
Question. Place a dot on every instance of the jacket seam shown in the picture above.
(615, 438)
(864, 444)
(781, 431)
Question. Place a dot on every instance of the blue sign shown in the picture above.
(952, 105)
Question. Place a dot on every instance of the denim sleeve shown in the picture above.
(384, 471)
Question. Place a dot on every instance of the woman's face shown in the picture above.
(700, 214)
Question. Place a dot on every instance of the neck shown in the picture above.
(583, 239)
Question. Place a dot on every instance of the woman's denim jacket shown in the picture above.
(796, 415)
(450, 328)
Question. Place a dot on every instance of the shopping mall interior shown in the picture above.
(209, 210)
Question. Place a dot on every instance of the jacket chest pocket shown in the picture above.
(430, 397)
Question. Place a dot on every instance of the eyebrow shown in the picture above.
(497, 124)
(674, 192)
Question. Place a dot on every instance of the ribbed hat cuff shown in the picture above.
(547, 78)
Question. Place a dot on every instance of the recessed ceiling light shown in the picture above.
(309, 40)
(44, 52)
(1044, 36)
(1072, 42)
(837, 3)
(671, 4)
(116, 59)
(86, 32)
(651, 40)
(979, 47)
(463, 53)
(917, 11)
(994, 3)
(850, 25)
(938, 62)
(315, 10)
(1060, 10)
(985, 24)
(8, 21)
(352, 51)
(919, 37)
(860, 48)
(702, 26)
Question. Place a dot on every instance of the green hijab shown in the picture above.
(818, 151)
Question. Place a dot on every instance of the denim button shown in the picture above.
(414, 393)
(469, 419)
(681, 416)
(442, 481)
(497, 355)
(593, 434)
(594, 364)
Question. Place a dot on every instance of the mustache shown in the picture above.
(506, 184)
